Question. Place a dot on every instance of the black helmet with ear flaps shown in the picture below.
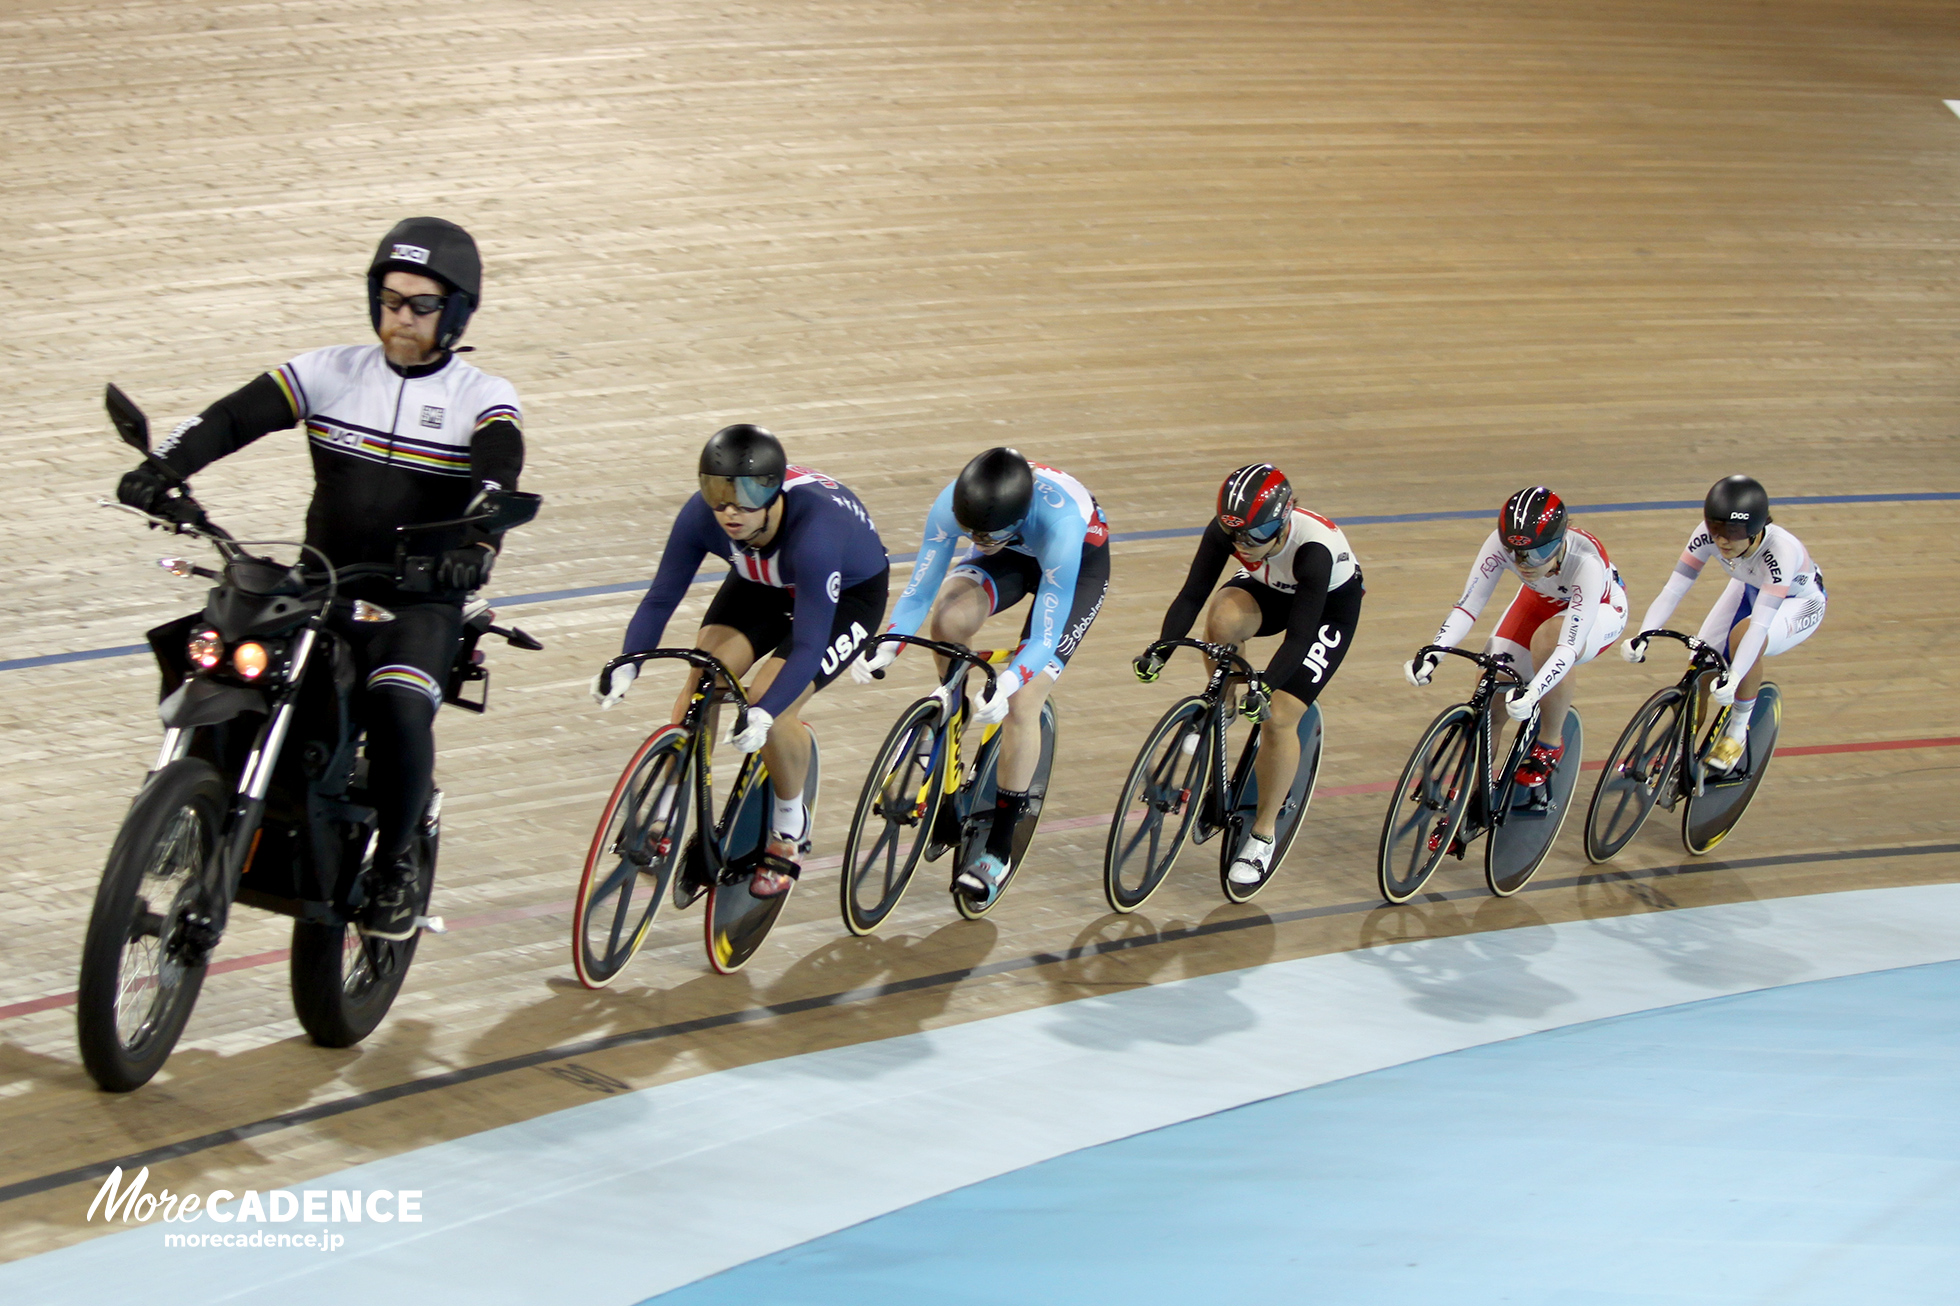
(432, 247)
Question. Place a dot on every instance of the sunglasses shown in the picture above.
(987, 539)
(420, 305)
(1730, 530)
(1263, 533)
(747, 493)
(1537, 557)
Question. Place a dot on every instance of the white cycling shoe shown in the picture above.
(1249, 867)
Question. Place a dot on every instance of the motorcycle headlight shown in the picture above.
(205, 649)
(250, 660)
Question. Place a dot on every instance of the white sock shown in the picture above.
(663, 803)
(787, 819)
(1739, 715)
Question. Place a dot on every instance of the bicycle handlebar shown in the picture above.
(1699, 648)
(1235, 665)
(1492, 663)
(959, 655)
(694, 657)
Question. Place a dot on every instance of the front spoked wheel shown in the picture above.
(1428, 804)
(894, 819)
(148, 937)
(1640, 766)
(631, 863)
(1160, 799)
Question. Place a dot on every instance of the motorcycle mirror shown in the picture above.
(129, 421)
(176, 566)
(497, 511)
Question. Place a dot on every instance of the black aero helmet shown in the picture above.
(1532, 525)
(993, 493)
(744, 465)
(1737, 508)
(434, 248)
(1254, 503)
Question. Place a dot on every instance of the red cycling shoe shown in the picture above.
(1537, 769)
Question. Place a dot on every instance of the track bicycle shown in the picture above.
(921, 797)
(1451, 792)
(1661, 760)
(1179, 789)
(642, 855)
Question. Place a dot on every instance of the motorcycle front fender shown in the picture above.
(206, 703)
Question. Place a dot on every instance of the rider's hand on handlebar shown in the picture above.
(1421, 667)
(622, 680)
(1721, 690)
(1258, 702)
(1520, 703)
(465, 568)
(1148, 667)
(991, 707)
(1635, 649)
(143, 487)
(754, 732)
(864, 670)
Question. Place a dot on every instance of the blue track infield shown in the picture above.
(716, 573)
(1792, 1145)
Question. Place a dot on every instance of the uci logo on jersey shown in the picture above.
(410, 254)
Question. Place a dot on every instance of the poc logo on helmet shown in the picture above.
(410, 253)
(1738, 516)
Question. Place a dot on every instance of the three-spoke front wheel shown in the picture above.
(1641, 764)
(632, 858)
(894, 818)
(1160, 798)
(144, 958)
(1427, 803)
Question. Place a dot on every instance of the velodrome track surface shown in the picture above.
(1419, 255)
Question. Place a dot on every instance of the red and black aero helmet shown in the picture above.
(1532, 525)
(1253, 503)
(435, 248)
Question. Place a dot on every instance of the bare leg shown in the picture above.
(1279, 758)
(787, 750)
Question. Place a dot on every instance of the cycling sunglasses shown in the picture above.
(987, 539)
(749, 493)
(420, 305)
(1539, 556)
(1264, 533)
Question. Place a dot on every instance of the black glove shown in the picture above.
(466, 568)
(143, 486)
(1258, 704)
(1148, 667)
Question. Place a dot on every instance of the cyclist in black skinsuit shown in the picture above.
(401, 432)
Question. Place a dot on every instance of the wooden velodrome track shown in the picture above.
(1419, 253)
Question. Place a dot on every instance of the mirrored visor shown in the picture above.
(1264, 533)
(1539, 556)
(749, 493)
(1730, 530)
(1000, 536)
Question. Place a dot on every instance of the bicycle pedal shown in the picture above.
(1456, 849)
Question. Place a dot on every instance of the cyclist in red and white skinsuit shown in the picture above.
(1572, 606)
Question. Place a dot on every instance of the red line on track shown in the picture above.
(507, 915)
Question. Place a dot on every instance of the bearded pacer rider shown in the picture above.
(807, 583)
(1297, 574)
(1571, 607)
(401, 432)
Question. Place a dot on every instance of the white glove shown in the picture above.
(1722, 691)
(876, 659)
(622, 680)
(1420, 668)
(1635, 649)
(1520, 703)
(754, 733)
(991, 709)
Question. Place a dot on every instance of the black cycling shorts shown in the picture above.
(763, 614)
(1010, 577)
(1338, 618)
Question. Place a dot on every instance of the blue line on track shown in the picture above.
(1126, 537)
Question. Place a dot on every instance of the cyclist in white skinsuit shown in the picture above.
(1774, 600)
(1571, 607)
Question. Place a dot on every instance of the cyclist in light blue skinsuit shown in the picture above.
(1036, 532)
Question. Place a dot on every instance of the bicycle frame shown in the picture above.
(1221, 782)
(1687, 770)
(1490, 798)
(947, 770)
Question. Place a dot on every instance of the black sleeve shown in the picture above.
(496, 458)
(242, 416)
(1214, 550)
(1313, 567)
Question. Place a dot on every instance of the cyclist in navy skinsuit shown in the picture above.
(807, 585)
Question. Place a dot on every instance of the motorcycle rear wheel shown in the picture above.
(344, 982)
